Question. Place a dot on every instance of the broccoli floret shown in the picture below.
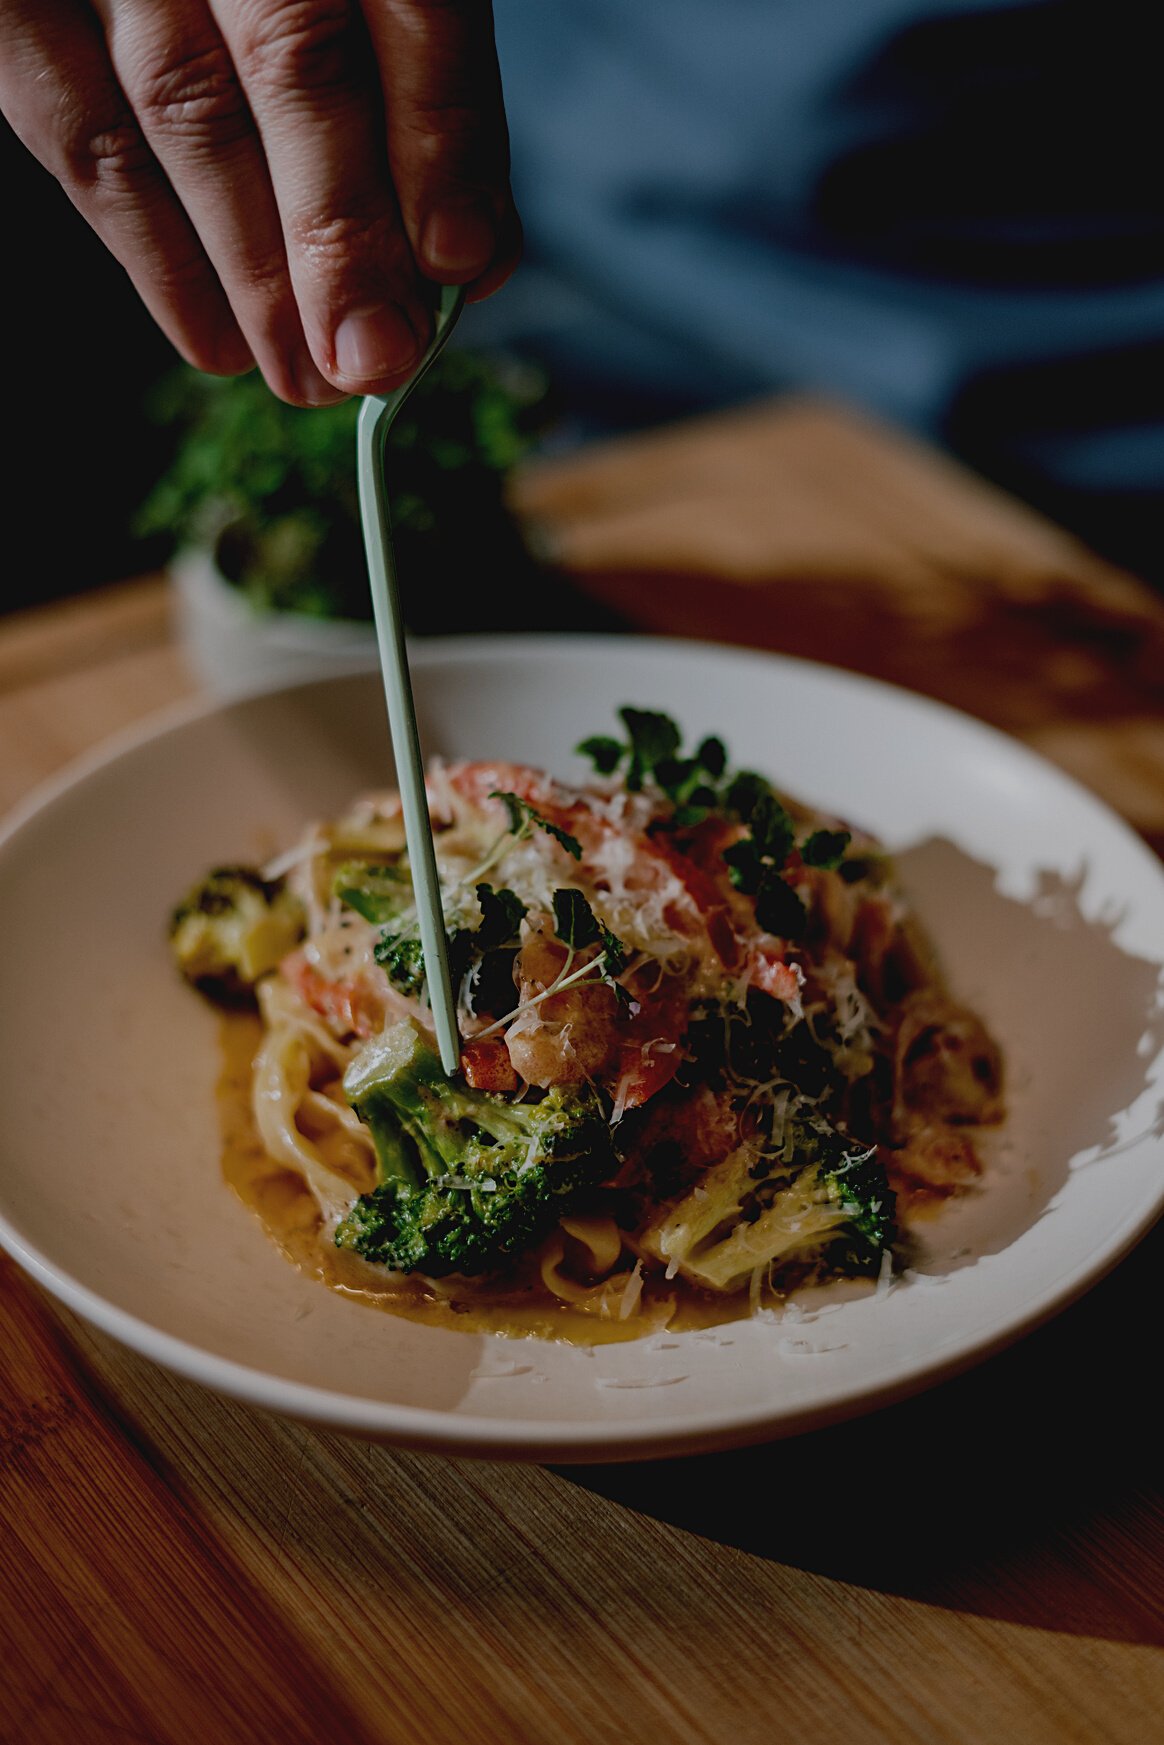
(466, 1179)
(401, 956)
(231, 929)
(383, 895)
(377, 892)
(817, 1204)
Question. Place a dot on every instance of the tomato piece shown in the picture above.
(648, 1054)
(710, 902)
(643, 1071)
(487, 1066)
(704, 845)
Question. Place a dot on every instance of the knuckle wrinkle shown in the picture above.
(102, 151)
(194, 96)
(301, 46)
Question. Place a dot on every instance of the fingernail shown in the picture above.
(373, 343)
(312, 387)
(459, 239)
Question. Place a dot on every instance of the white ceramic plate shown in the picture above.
(1048, 911)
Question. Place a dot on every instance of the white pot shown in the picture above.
(237, 650)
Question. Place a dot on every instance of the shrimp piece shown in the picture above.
(769, 972)
(585, 1033)
(649, 1054)
(352, 1005)
(477, 782)
(577, 813)
(568, 1037)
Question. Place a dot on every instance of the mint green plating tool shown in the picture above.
(376, 416)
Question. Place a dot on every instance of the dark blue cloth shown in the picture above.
(946, 211)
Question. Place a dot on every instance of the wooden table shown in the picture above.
(980, 1564)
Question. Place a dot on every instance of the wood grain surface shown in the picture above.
(980, 1564)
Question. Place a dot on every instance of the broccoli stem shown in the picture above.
(398, 1077)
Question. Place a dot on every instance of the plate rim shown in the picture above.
(552, 1440)
(433, 650)
(549, 1442)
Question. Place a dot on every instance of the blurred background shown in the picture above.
(946, 213)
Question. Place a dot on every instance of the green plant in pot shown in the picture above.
(269, 492)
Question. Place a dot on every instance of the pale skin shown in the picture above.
(282, 180)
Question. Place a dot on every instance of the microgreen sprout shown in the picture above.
(399, 949)
(578, 927)
(651, 753)
(701, 784)
(523, 817)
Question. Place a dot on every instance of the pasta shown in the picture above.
(707, 1054)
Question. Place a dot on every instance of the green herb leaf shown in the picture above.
(502, 913)
(653, 736)
(744, 865)
(575, 922)
(744, 791)
(772, 829)
(614, 952)
(712, 756)
(686, 817)
(652, 749)
(673, 773)
(605, 753)
(577, 926)
(521, 814)
(378, 893)
(825, 848)
(779, 909)
(402, 954)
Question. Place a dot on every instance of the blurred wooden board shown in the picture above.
(74, 673)
(796, 526)
(981, 1564)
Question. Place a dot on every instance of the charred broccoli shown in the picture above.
(231, 929)
(817, 1202)
(467, 1179)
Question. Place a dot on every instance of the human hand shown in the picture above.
(277, 177)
